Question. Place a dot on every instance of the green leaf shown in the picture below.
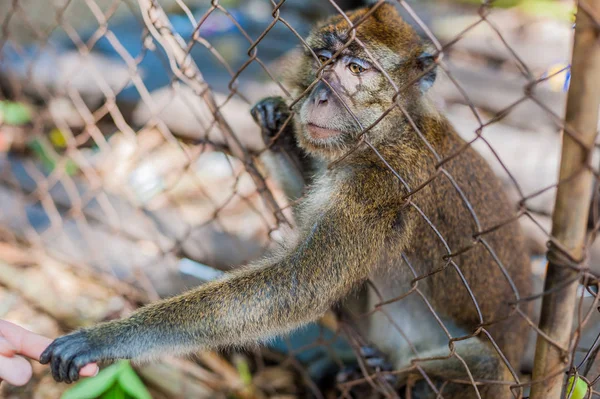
(549, 9)
(496, 3)
(94, 387)
(114, 392)
(581, 388)
(132, 384)
(244, 369)
(13, 113)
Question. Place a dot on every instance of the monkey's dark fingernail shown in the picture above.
(47, 354)
(45, 357)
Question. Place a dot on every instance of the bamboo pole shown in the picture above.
(572, 205)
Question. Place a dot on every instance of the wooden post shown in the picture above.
(569, 220)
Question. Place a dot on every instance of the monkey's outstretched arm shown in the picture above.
(335, 254)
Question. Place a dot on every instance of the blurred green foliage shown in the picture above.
(14, 113)
(118, 381)
(554, 9)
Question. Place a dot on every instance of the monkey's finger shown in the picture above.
(260, 117)
(65, 365)
(280, 119)
(54, 355)
(55, 367)
(78, 366)
(270, 116)
(263, 116)
(46, 355)
(73, 372)
(75, 367)
(255, 112)
(260, 114)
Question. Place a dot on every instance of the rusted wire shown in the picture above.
(162, 220)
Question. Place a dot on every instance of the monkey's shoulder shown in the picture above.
(360, 189)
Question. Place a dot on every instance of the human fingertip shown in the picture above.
(89, 370)
(16, 370)
(22, 377)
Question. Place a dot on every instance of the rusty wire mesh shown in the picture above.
(125, 188)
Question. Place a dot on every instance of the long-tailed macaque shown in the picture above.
(356, 222)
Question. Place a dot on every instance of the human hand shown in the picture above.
(15, 341)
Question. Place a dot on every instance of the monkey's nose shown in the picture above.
(321, 98)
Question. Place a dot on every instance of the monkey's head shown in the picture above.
(354, 91)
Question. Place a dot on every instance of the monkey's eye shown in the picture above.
(323, 59)
(355, 68)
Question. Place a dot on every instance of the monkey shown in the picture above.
(376, 209)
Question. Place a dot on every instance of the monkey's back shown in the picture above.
(484, 274)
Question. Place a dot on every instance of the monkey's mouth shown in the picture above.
(321, 133)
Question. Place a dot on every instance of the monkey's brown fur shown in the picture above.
(355, 223)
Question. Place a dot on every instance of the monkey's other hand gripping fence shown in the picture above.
(133, 156)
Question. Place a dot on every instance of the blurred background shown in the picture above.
(118, 186)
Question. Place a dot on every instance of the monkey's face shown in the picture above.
(358, 79)
(333, 112)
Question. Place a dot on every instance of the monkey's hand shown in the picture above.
(275, 120)
(68, 354)
(104, 342)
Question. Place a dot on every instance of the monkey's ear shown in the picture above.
(426, 62)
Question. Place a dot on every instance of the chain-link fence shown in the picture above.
(129, 152)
